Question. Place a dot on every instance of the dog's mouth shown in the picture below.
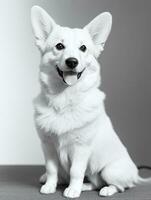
(69, 77)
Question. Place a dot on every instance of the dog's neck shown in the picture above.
(59, 95)
(70, 96)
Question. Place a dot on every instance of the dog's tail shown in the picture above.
(143, 181)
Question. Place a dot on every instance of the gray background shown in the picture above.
(125, 72)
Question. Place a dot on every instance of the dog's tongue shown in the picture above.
(70, 77)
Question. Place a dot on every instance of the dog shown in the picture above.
(76, 134)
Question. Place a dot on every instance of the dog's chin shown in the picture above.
(69, 77)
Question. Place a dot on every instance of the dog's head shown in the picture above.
(68, 54)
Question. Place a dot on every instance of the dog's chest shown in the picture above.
(62, 117)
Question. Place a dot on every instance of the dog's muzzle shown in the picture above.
(69, 77)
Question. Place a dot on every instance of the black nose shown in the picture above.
(71, 62)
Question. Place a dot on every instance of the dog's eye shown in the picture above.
(60, 46)
(83, 48)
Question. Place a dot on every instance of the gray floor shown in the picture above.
(21, 183)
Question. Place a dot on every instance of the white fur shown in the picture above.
(77, 136)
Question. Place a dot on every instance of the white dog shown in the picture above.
(77, 136)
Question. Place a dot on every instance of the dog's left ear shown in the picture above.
(99, 29)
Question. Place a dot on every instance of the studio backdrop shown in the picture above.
(125, 68)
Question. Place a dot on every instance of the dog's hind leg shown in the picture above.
(108, 190)
(43, 178)
(95, 182)
(61, 179)
(88, 187)
(118, 175)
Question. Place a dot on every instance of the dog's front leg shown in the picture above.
(77, 173)
(51, 162)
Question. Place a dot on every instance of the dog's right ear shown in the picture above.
(42, 25)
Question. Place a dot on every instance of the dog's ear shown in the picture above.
(99, 29)
(42, 25)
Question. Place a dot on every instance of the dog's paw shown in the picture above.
(108, 191)
(48, 189)
(43, 178)
(70, 192)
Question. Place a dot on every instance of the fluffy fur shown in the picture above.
(77, 136)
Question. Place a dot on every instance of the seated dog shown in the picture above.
(77, 136)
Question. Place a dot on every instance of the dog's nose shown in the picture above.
(71, 62)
